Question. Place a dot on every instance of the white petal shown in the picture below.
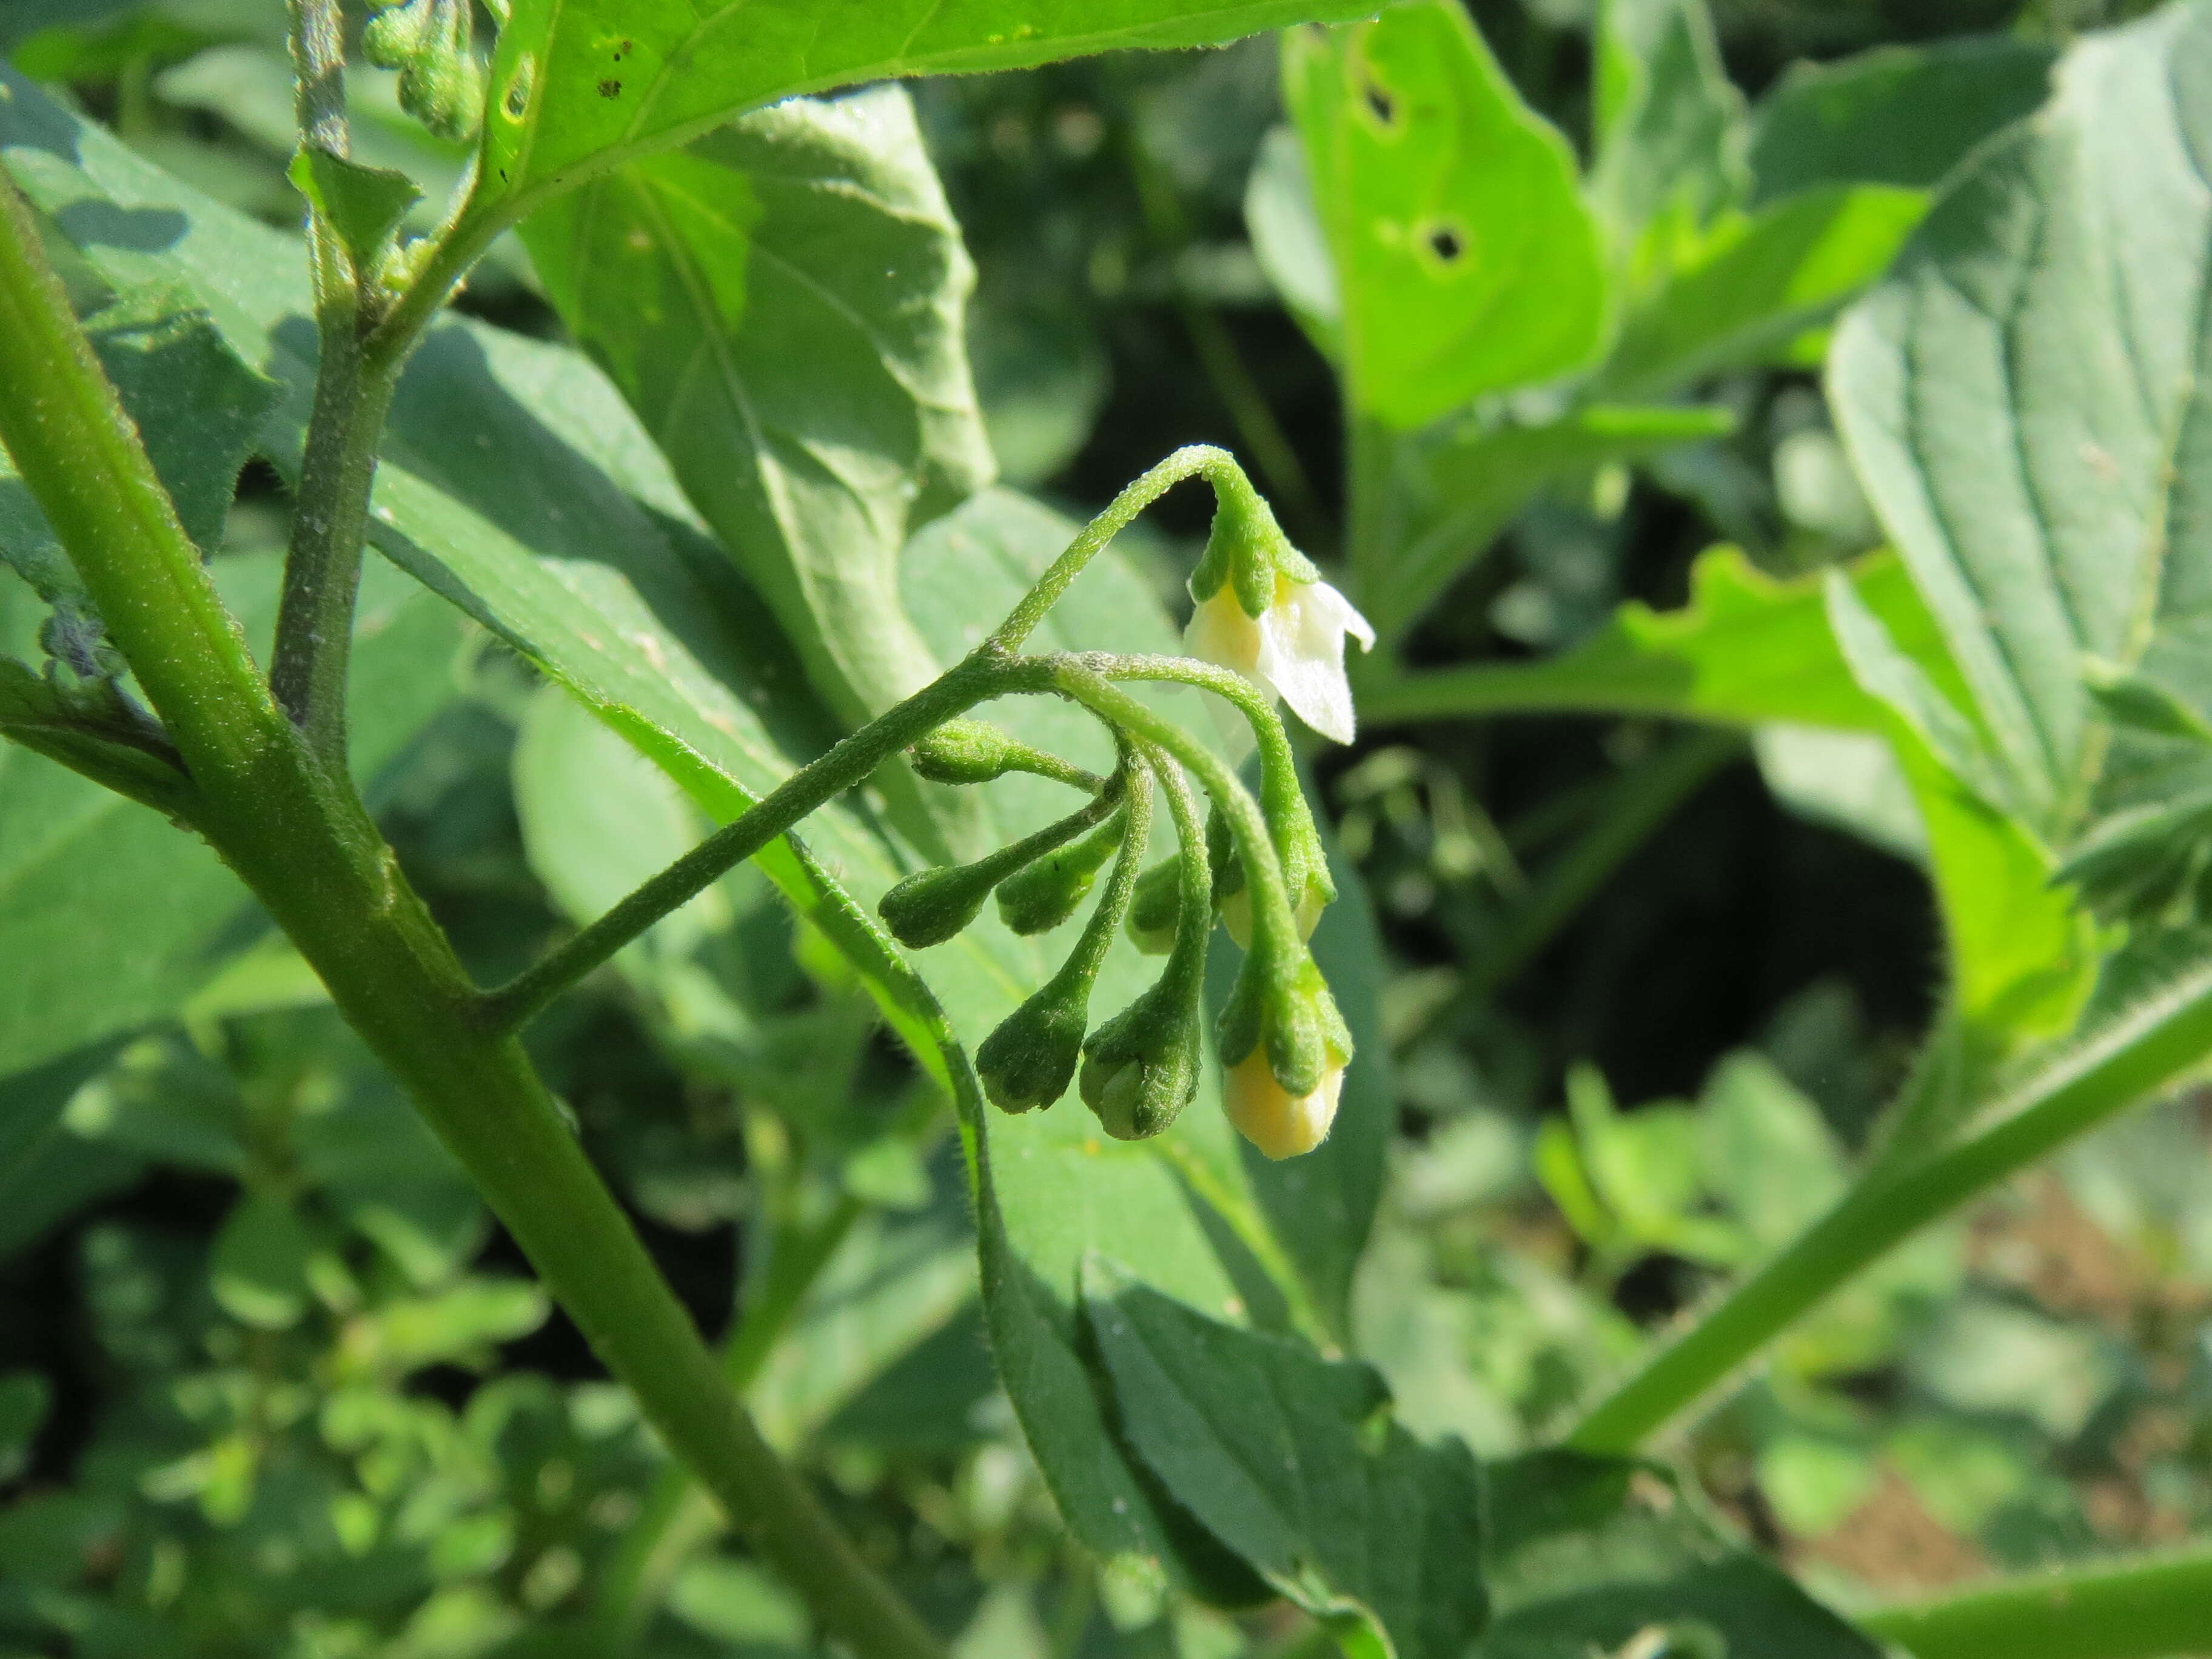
(1302, 654)
(1221, 634)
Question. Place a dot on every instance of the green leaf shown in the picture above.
(581, 86)
(1464, 256)
(1756, 282)
(1288, 241)
(1668, 127)
(2021, 397)
(1463, 484)
(25, 1398)
(46, 1171)
(363, 204)
(1896, 115)
(1586, 1555)
(1294, 1463)
(258, 1269)
(781, 304)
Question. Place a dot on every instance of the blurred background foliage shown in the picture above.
(271, 1382)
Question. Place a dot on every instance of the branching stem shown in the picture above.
(2134, 1607)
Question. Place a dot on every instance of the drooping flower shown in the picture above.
(1284, 1049)
(1264, 611)
(1294, 648)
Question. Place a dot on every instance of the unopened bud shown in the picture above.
(431, 43)
(1140, 1068)
(1030, 1060)
(1047, 893)
(1285, 1047)
(1157, 904)
(932, 906)
(396, 33)
(965, 751)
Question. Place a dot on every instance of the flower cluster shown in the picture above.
(1257, 863)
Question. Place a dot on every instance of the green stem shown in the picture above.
(1192, 461)
(1637, 804)
(2133, 1058)
(330, 518)
(847, 765)
(330, 529)
(678, 1517)
(2146, 1608)
(306, 847)
(1274, 928)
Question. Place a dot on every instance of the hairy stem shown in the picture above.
(2137, 1607)
(2136, 1058)
(304, 845)
(849, 763)
(1193, 461)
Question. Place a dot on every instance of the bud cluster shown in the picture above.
(1265, 613)
(431, 43)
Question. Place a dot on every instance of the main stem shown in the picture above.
(2138, 1056)
(294, 831)
(2141, 1608)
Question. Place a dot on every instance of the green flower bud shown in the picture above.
(396, 33)
(932, 906)
(966, 751)
(1158, 902)
(1140, 1068)
(1047, 893)
(1247, 550)
(1030, 1060)
(442, 84)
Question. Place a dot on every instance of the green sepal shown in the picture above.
(1248, 550)
(364, 205)
(1157, 906)
(1287, 1005)
(1039, 898)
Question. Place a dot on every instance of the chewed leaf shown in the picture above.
(1465, 260)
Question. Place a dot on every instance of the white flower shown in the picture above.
(1293, 650)
(1281, 1124)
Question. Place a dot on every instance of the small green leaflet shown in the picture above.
(1465, 260)
(363, 204)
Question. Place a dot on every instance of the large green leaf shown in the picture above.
(781, 304)
(1586, 1555)
(581, 86)
(1897, 115)
(1465, 260)
(2024, 398)
(1294, 1463)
